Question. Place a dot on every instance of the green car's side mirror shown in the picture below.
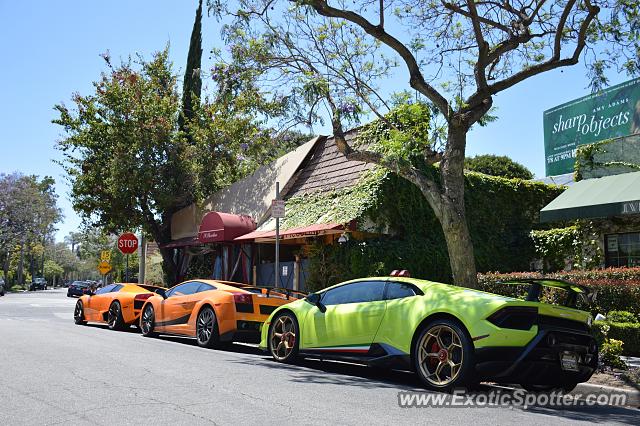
(314, 299)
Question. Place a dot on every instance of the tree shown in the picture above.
(192, 82)
(458, 56)
(130, 164)
(497, 165)
(28, 214)
(52, 271)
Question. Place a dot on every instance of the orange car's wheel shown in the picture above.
(207, 328)
(284, 338)
(114, 317)
(78, 313)
(148, 321)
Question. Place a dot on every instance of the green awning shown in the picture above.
(617, 195)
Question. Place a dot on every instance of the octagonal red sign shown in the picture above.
(127, 243)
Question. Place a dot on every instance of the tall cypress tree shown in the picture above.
(192, 85)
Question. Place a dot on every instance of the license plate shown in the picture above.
(569, 361)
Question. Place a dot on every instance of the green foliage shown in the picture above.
(622, 316)
(402, 136)
(192, 83)
(338, 206)
(577, 244)
(496, 165)
(501, 214)
(627, 332)
(610, 353)
(51, 270)
(586, 159)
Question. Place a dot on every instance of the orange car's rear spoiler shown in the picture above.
(287, 292)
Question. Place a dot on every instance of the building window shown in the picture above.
(622, 249)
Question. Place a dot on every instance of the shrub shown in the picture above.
(618, 289)
(627, 332)
(610, 354)
(622, 316)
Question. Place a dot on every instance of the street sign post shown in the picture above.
(127, 244)
(277, 211)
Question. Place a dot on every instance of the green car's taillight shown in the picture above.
(515, 317)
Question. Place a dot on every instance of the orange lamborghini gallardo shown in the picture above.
(213, 311)
(118, 305)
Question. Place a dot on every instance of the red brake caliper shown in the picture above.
(435, 348)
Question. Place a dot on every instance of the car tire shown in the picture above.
(207, 333)
(443, 355)
(284, 338)
(78, 313)
(114, 316)
(148, 321)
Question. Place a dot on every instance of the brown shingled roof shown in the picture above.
(327, 169)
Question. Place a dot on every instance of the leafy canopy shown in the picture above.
(497, 165)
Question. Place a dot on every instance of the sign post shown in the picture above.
(277, 211)
(127, 244)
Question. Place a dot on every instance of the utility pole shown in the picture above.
(277, 283)
(142, 256)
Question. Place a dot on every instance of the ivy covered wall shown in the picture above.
(608, 157)
(501, 213)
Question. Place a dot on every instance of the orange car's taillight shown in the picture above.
(243, 302)
(138, 300)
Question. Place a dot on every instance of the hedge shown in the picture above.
(618, 288)
(627, 332)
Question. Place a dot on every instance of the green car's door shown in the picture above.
(353, 315)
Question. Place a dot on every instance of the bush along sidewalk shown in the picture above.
(621, 326)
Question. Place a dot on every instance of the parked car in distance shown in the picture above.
(213, 311)
(118, 305)
(77, 288)
(2, 287)
(450, 336)
(38, 283)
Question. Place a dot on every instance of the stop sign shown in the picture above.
(127, 243)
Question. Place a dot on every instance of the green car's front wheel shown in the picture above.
(284, 338)
(443, 355)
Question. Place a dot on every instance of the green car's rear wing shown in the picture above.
(586, 294)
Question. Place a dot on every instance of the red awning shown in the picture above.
(217, 227)
(299, 232)
(182, 242)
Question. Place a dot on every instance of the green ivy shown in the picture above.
(501, 213)
(338, 206)
(577, 243)
(586, 158)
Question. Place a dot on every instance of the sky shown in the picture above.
(50, 49)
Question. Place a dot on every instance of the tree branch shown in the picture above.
(555, 61)
(417, 80)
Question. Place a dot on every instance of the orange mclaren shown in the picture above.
(213, 311)
(118, 305)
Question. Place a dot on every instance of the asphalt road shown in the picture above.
(55, 372)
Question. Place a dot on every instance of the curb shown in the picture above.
(633, 396)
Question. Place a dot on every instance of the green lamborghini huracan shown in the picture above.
(450, 336)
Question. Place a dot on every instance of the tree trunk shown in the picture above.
(5, 267)
(169, 267)
(459, 246)
(19, 273)
(452, 215)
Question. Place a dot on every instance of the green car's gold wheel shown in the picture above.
(284, 337)
(443, 355)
